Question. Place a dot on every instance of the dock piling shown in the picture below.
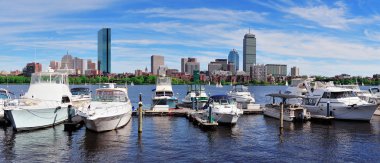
(328, 109)
(282, 118)
(140, 114)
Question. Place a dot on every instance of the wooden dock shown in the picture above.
(198, 119)
(171, 112)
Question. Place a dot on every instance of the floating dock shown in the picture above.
(198, 119)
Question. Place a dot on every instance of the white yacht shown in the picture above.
(291, 112)
(5, 98)
(219, 85)
(111, 109)
(375, 92)
(223, 109)
(45, 103)
(163, 98)
(195, 93)
(343, 104)
(241, 94)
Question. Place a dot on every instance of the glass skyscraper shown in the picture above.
(249, 51)
(233, 57)
(104, 50)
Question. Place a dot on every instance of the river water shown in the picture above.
(174, 139)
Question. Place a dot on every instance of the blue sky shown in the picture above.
(320, 37)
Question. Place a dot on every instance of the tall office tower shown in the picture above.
(249, 51)
(295, 71)
(104, 50)
(78, 66)
(155, 62)
(54, 65)
(191, 65)
(183, 64)
(233, 57)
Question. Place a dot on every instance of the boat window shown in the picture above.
(310, 101)
(223, 101)
(3, 95)
(80, 91)
(65, 99)
(335, 95)
(164, 94)
(111, 96)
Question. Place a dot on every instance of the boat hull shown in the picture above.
(31, 119)
(102, 124)
(226, 118)
(275, 113)
(360, 113)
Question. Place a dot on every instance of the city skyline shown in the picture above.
(320, 37)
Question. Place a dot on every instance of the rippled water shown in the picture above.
(174, 139)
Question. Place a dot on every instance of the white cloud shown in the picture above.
(204, 14)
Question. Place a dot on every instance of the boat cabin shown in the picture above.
(80, 91)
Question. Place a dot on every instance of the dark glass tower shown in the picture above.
(233, 57)
(249, 51)
(104, 50)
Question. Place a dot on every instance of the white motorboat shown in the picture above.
(223, 109)
(241, 94)
(163, 97)
(132, 84)
(195, 94)
(291, 112)
(111, 109)
(343, 104)
(45, 103)
(5, 98)
(375, 92)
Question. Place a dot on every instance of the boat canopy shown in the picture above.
(240, 88)
(164, 81)
(49, 77)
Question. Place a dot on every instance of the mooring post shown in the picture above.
(328, 109)
(282, 118)
(197, 104)
(69, 116)
(210, 115)
(140, 114)
(192, 103)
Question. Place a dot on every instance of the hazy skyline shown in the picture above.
(319, 37)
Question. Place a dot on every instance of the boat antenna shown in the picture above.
(249, 30)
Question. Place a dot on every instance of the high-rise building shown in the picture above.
(54, 65)
(233, 57)
(249, 51)
(31, 68)
(295, 71)
(67, 62)
(91, 65)
(258, 72)
(183, 64)
(191, 65)
(155, 62)
(276, 70)
(78, 66)
(104, 50)
(223, 62)
(214, 66)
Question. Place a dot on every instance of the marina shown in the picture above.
(173, 132)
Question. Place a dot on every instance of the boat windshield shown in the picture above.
(163, 93)
(80, 91)
(56, 78)
(375, 90)
(3, 95)
(335, 95)
(111, 96)
(223, 101)
(241, 88)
